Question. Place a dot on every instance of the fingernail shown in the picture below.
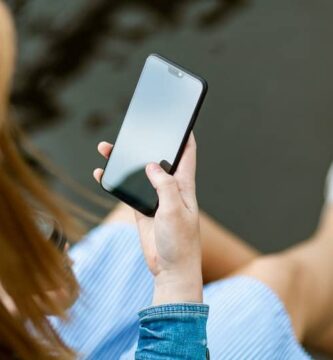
(153, 167)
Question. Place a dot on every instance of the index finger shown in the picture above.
(104, 148)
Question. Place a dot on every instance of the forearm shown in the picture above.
(222, 251)
(179, 286)
(175, 328)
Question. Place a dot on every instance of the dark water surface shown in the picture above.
(265, 132)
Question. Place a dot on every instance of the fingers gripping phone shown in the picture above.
(156, 127)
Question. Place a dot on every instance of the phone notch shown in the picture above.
(176, 72)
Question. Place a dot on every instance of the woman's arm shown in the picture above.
(175, 326)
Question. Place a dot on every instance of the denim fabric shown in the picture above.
(172, 332)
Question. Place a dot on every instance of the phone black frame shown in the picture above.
(130, 200)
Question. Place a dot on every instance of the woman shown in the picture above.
(264, 311)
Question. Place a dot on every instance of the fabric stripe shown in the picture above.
(248, 321)
(115, 284)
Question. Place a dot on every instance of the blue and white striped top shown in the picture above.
(247, 320)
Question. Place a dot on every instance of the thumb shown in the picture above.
(166, 187)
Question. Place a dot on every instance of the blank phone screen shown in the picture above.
(153, 130)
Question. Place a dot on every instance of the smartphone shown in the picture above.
(156, 128)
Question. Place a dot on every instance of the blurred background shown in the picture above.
(264, 133)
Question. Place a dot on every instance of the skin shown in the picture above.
(171, 240)
(296, 275)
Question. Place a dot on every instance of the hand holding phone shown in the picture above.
(171, 239)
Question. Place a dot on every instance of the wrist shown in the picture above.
(178, 286)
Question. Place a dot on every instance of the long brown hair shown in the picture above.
(30, 265)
